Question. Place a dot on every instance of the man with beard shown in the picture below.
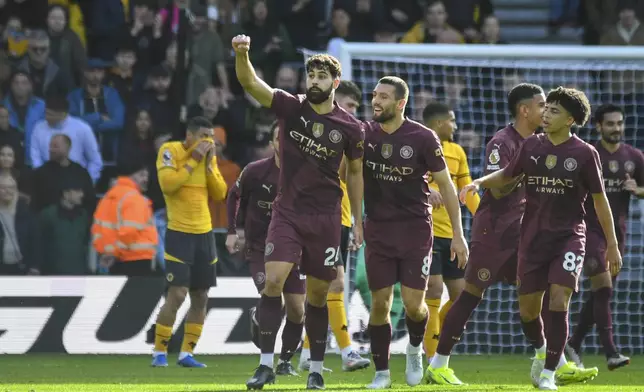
(623, 169)
(399, 157)
(306, 218)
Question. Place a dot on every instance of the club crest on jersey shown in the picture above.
(629, 166)
(484, 274)
(570, 164)
(495, 157)
(269, 249)
(613, 166)
(318, 129)
(406, 152)
(169, 277)
(260, 278)
(386, 150)
(335, 136)
(551, 161)
(167, 158)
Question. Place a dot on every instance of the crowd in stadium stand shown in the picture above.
(104, 74)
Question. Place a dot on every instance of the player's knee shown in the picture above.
(198, 300)
(454, 288)
(530, 306)
(295, 308)
(379, 311)
(274, 284)
(600, 281)
(175, 297)
(474, 290)
(434, 287)
(559, 298)
(414, 303)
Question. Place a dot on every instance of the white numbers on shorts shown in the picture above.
(425, 269)
(332, 256)
(572, 261)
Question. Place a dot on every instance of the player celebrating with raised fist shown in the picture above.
(623, 168)
(399, 154)
(560, 171)
(306, 223)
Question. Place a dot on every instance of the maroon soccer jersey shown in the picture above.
(626, 160)
(557, 179)
(501, 218)
(396, 170)
(250, 202)
(311, 148)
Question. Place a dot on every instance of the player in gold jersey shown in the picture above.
(188, 176)
(442, 120)
(348, 97)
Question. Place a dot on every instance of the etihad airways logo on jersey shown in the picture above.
(313, 147)
(386, 172)
(111, 315)
(552, 185)
(265, 205)
(613, 185)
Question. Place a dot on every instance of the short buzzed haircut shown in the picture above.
(196, 123)
(65, 138)
(574, 101)
(349, 89)
(521, 92)
(435, 109)
(402, 90)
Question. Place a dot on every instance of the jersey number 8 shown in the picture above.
(425, 269)
(572, 262)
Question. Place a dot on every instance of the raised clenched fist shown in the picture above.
(241, 43)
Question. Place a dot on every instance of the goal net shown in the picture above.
(474, 80)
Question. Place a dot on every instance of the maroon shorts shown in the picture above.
(398, 252)
(310, 241)
(595, 261)
(535, 273)
(295, 283)
(489, 263)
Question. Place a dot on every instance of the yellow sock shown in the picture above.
(306, 345)
(162, 335)
(430, 340)
(444, 309)
(338, 319)
(191, 334)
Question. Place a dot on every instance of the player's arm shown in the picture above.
(246, 75)
(343, 169)
(463, 178)
(171, 177)
(236, 204)
(215, 182)
(355, 188)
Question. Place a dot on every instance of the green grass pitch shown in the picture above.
(80, 373)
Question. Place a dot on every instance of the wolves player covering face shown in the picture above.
(623, 168)
(399, 154)
(249, 206)
(560, 171)
(306, 219)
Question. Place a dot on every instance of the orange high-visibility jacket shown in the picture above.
(124, 223)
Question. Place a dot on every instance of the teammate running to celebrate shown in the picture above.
(623, 168)
(249, 206)
(306, 219)
(188, 176)
(559, 170)
(348, 97)
(440, 118)
(399, 153)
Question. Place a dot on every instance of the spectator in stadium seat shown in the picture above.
(123, 77)
(138, 141)
(95, 103)
(421, 97)
(402, 14)
(46, 179)
(48, 78)
(141, 32)
(106, 19)
(14, 38)
(433, 28)
(467, 16)
(627, 31)
(25, 110)
(491, 31)
(18, 244)
(9, 168)
(198, 78)
(74, 18)
(64, 233)
(11, 136)
(84, 147)
(157, 100)
(366, 16)
(286, 79)
(67, 50)
(340, 26)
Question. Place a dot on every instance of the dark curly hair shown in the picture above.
(324, 62)
(574, 101)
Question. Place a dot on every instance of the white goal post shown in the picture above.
(474, 80)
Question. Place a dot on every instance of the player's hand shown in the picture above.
(614, 259)
(241, 44)
(107, 261)
(358, 237)
(472, 187)
(201, 150)
(232, 243)
(630, 184)
(460, 251)
(435, 198)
